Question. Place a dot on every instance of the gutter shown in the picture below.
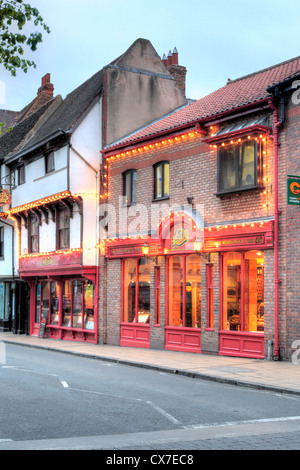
(35, 146)
(232, 113)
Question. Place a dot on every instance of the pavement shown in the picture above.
(277, 376)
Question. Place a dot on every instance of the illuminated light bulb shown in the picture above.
(249, 137)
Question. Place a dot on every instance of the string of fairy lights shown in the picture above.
(162, 143)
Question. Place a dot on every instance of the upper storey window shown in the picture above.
(239, 166)
(49, 162)
(21, 174)
(161, 180)
(129, 186)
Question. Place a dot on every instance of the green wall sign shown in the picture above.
(293, 190)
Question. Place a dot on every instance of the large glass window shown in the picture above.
(54, 303)
(136, 290)
(243, 291)
(239, 166)
(161, 180)
(76, 309)
(46, 301)
(185, 291)
(4, 300)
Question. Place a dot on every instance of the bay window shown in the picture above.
(239, 166)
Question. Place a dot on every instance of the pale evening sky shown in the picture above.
(215, 40)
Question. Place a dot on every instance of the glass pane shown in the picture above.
(254, 291)
(175, 290)
(232, 291)
(64, 229)
(157, 295)
(128, 187)
(193, 291)
(246, 164)
(158, 181)
(133, 195)
(34, 234)
(88, 305)
(144, 291)
(64, 239)
(77, 304)
(166, 179)
(2, 292)
(227, 168)
(129, 293)
(37, 303)
(66, 306)
(45, 300)
(54, 303)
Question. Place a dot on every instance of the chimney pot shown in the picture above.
(169, 62)
(165, 60)
(175, 57)
(46, 86)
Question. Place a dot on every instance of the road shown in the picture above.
(51, 400)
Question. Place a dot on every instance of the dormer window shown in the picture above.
(239, 166)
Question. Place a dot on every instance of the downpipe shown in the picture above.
(277, 127)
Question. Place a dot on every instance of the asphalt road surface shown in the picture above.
(51, 400)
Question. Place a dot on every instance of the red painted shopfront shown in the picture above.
(185, 286)
(63, 294)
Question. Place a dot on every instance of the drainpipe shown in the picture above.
(277, 126)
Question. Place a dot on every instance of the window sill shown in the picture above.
(165, 198)
(238, 192)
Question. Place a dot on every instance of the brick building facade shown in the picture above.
(217, 171)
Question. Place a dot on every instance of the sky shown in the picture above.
(215, 40)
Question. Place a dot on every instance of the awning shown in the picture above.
(256, 125)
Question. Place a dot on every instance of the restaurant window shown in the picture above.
(157, 295)
(243, 291)
(49, 162)
(161, 180)
(136, 290)
(63, 229)
(1, 242)
(4, 300)
(129, 186)
(46, 301)
(239, 166)
(78, 304)
(210, 295)
(21, 174)
(33, 240)
(185, 291)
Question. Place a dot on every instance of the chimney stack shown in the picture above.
(46, 86)
(176, 70)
